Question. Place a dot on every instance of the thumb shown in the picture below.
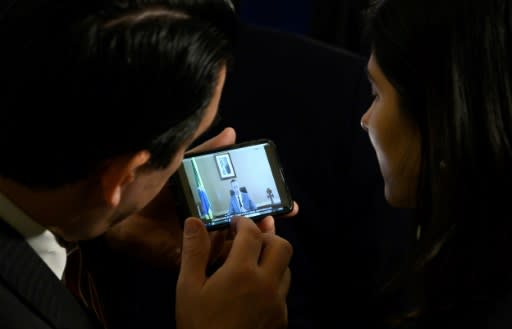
(195, 253)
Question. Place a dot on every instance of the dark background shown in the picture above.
(335, 22)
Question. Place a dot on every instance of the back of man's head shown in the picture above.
(88, 80)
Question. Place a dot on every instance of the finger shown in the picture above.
(218, 239)
(195, 254)
(284, 284)
(267, 225)
(225, 137)
(294, 212)
(223, 253)
(276, 254)
(247, 241)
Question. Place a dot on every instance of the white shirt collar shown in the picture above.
(39, 238)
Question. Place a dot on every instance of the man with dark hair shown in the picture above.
(239, 201)
(102, 100)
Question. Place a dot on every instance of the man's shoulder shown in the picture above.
(30, 294)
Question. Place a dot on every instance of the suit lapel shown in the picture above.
(31, 279)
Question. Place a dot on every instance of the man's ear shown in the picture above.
(119, 172)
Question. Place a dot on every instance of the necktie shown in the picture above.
(82, 284)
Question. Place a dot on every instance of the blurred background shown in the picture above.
(335, 22)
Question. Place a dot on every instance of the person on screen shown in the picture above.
(239, 201)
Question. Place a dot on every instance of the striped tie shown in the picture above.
(81, 283)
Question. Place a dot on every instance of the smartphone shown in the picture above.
(244, 179)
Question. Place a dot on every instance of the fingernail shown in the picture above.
(191, 227)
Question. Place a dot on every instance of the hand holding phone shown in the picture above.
(249, 290)
(244, 179)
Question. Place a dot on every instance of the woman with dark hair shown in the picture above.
(441, 126)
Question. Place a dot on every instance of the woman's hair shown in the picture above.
(450, 64)
(89, 80)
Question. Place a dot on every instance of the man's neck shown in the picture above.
(46, 207)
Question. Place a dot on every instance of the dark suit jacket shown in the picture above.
(234, 203)
(31, 296)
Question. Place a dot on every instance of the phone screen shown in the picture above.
(244, 179)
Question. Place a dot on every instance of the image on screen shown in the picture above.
(242, 181)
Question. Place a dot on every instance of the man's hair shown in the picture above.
(90, 80)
